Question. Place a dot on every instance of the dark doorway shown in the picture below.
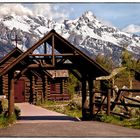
(19, 91)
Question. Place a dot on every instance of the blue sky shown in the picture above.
(119, 14)
(116, 14)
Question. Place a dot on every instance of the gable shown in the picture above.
(10, 57)
(66, 51)
(81, 59)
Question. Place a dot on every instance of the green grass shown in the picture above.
(131, 123)
(62, 107)
(6, 121)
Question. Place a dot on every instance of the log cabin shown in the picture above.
(56, 83)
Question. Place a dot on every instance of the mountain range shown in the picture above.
(86, 32)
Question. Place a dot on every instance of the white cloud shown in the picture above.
(56, 12)
(18, 9)
(52, 11)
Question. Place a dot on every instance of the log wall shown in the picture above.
(60, 91)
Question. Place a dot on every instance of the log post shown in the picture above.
(53, 47)
(93, 99)
(11, 93)
(63, 86)
(90, 83)
(45, 48)
(48, 88)
(83, 98)
(113, 92)
(33, 90)
(102, 89)
(1, 85)
(108, 101)
(45, 88)
(101, 103)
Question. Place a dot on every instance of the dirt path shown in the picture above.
(39, 122)
(35, 114)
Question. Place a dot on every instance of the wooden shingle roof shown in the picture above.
(10, 57)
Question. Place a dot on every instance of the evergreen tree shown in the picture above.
(73, 83)
(129, 61)
(131, 65)
(105, 61)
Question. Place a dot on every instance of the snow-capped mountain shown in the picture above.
(85, 32)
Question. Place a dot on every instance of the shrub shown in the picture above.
(6, 121)
(74, 105)
(4, 105)
(4, 108)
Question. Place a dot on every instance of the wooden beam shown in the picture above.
(63, 54)
(130, 90)
(11, 93)
(41, 63)
(119, 95)
(49, 66)
(128, 104)
(100, 108)
(45, 48)
(38, 66)
(135, 100)
(21, 73)
(121, 115)
(123, 103)
(76, 75)
(35, 73)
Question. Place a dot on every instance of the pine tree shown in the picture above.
(105, 61)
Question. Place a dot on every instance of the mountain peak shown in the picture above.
(89, 15)
(132, 28)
